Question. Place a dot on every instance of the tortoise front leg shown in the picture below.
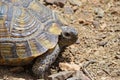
(43, 62)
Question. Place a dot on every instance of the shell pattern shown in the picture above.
(27, 30)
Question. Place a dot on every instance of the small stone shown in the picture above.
(81, 21)
(75, 2)
(73, 78)
(69, 67)
(96, 24)
(75, 8)
(103, 43)
(80, 75)
(100, 72)
(58, 2)
(68, 10)
(61, 1)
(118, 53)
(61, 75)
(99, 12)
(50, 1)
(78, 41)
(117, 56)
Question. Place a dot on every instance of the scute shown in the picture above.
(43, 42)
(47, 40)
(4, 19)
(23, 24)
(7, 50)
(23, 49)
(41, 12)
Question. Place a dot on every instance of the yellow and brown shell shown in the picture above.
(27, 30)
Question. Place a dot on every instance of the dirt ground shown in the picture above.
(98, 25)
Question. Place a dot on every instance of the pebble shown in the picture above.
(69, 75)
(81, 76)
(69, 66)
(117, 56)
(99, 12)
(75, 8)
(118, 53)
(100, 72)
(50, 1)
(58, 2)
(73, 78)
(68, 10)
(103, 43)
(61, 75)
(96, 24)
(75, 2)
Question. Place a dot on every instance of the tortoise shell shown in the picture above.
(28, 29)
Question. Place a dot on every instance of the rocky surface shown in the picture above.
(98, 24)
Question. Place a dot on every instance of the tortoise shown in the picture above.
(32, 33)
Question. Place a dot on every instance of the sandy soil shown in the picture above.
(98, 24)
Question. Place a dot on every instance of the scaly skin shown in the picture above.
(43, 62)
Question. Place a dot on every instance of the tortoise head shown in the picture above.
(68, 36)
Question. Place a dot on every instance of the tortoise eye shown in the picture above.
(67, 34)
